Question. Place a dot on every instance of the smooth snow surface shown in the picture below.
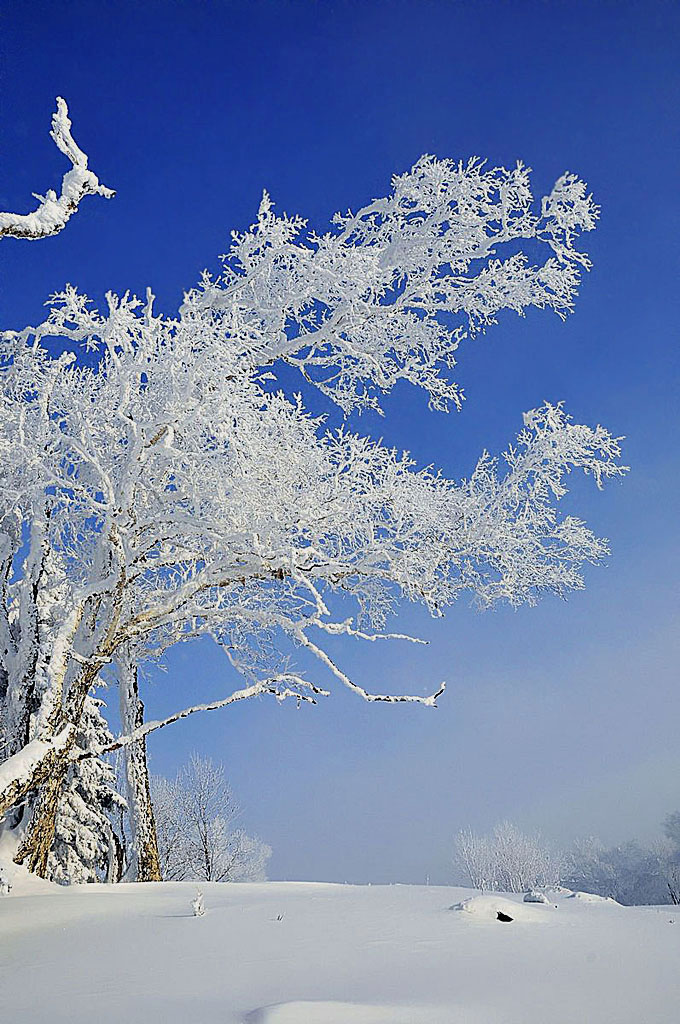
(312, 953)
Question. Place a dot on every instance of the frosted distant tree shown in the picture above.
(196, 816)
(87, 847)
(507, 860)
(184, 493)
(671, 828)
(169, 824)
(629, 873)
(473, 855)
(672, 877)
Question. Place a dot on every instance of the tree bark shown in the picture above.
(49, 773)
(34, 849)
(146, 865)
(31, 767)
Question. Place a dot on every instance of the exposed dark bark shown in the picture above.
(49, 778)
(34, 849)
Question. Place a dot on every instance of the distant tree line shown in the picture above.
(508, 860)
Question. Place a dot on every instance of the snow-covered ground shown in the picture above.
(312, 953)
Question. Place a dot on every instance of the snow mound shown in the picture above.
(591, 897)
(23, 883)
(489, 907)
(313, 1012)
(535, 897)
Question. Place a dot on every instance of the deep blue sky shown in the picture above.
(565, 716)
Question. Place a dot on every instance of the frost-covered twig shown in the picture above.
(54, 211)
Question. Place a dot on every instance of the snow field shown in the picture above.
(316, 953)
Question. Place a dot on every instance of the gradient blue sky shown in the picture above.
(564, 716)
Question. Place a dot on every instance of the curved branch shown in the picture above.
(269, 686)
(54, 211)
(430, 702)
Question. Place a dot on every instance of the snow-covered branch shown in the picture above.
(325, 659)
(53, 211)
(304, 691)
(391, 291)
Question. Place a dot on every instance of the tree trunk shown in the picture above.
(31, 767)
(116, 859)
(48, 774)
(145, 865)
(34, 849)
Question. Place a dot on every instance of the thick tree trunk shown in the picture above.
(31, 767)
(34, 849)
(146, 865)
(48, 775)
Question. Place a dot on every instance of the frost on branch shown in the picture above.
(393, 289)
(54, 211)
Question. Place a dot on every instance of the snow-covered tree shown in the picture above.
(472, 856)
(169, 825)
(671, 827)
(87, 847)
(196, 816)
(507, 860)
(183, 492)
(671, 867)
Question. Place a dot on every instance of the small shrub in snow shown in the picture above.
(198, 905)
